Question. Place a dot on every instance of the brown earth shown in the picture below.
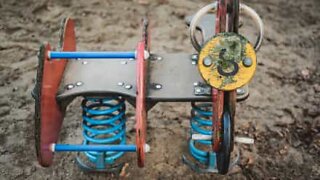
(282, 112)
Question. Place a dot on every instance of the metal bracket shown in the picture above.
(202, 89)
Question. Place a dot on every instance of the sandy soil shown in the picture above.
(282, 113)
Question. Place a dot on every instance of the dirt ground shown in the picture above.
(282, 113)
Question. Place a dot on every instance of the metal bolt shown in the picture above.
(198, 90)
(84, 62)
(194, 57)
(124, 62)
(120, 83)
(79, 83)
(207, 61)
(70, 86)
(128, 86)
(241, 91)
(196, 83)
(194, 62)
(158, 86)
(247, 62)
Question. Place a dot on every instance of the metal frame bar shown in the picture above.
(92, 147)
(91, 55)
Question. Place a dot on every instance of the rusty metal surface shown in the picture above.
(141, 112)
(174, 72)
(141, 81)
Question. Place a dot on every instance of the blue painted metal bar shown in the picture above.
(91, 55)
(97, 148)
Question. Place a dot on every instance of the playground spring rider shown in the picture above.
(212, 80)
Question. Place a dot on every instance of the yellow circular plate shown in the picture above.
(227, 61)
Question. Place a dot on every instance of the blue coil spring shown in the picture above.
(104, 122)
(201, 123)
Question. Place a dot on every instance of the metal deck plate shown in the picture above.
(102, 77)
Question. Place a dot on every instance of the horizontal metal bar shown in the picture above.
(91, 55)
(98, 148)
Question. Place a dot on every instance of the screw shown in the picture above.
(241, 91)
(158, 86)
(247, 62)
(70, 86)
(194, 57)
(84, 62)
(124, 62)
(79, 83)
(207, 61)
(120, 83)
(128, 86)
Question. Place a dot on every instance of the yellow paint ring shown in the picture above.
(213, 48)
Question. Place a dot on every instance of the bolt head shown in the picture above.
(194, 62)
(70, 86)
(158, 86)
(79, 83)
(196, 83)
(120, 83)
(207, 61)
(198, 90)
(240, 91)
(128, 86)
(247, 62)
(194, 57)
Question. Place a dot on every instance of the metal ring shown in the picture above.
(213, 6)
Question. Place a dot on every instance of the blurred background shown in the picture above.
(282, 113)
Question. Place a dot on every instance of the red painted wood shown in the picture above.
(51, 113)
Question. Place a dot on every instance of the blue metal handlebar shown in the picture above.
(97, 148)
(91, 55)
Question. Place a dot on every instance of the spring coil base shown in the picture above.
(201, 149)
(104, 123)
(200, 123)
